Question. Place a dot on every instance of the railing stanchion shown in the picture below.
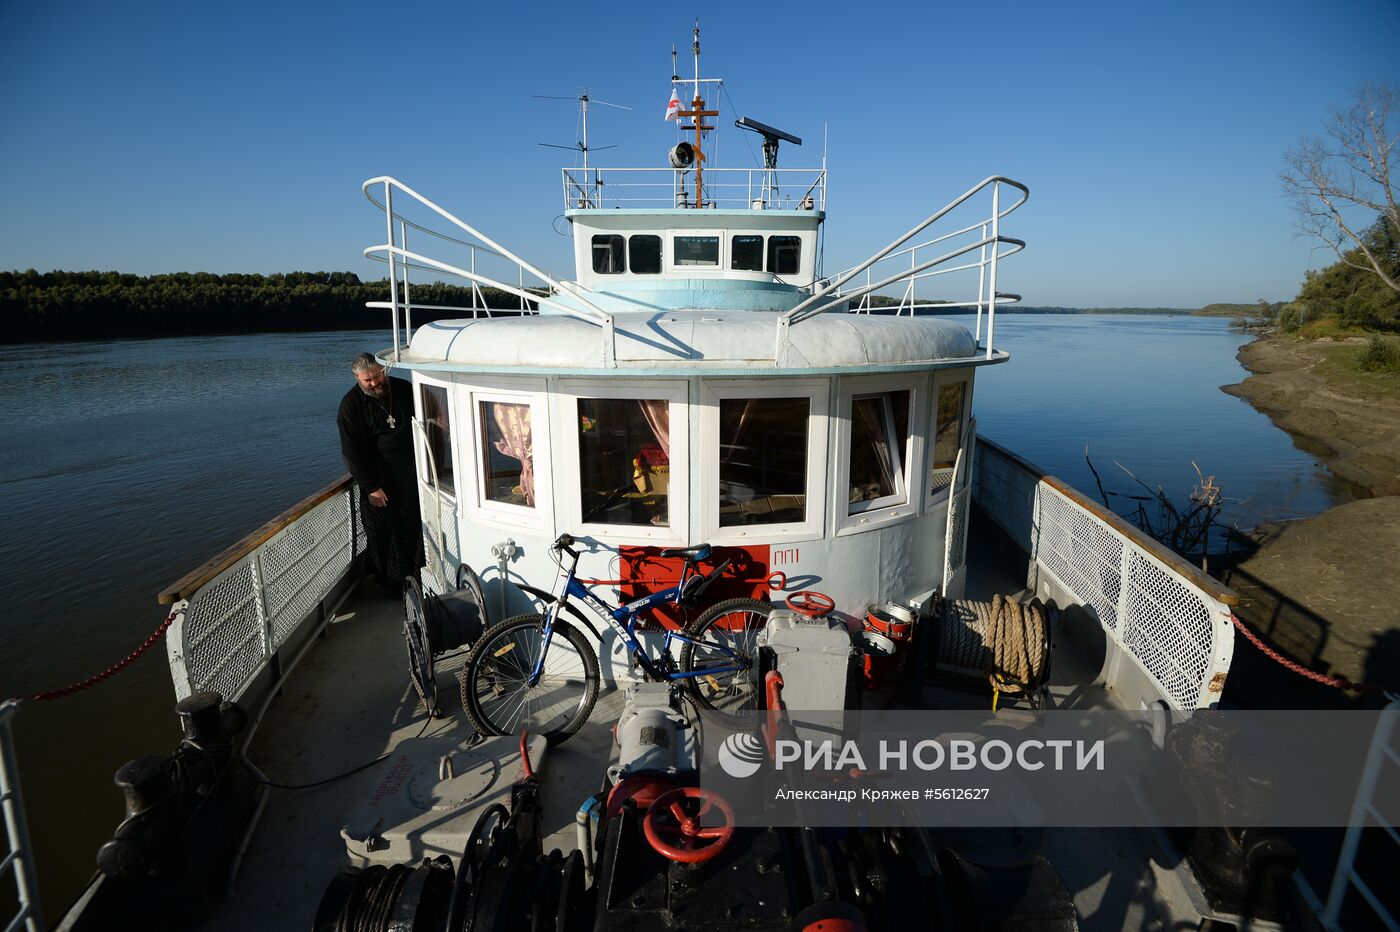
(407, 301)
(992, 275)
(981, 286)
(16, 829)
(393, 268)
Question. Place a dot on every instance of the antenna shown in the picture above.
(697, 113)
(771, 137)
(582, 145)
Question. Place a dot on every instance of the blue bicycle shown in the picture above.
(538, 673)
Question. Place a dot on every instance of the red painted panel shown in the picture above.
(644, 572)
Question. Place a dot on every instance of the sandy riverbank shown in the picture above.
(1323, 591)
(1356, 432)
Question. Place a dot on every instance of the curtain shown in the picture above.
(871, 414)
(513, 421)
(658, 416)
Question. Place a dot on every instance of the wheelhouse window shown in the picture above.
(879, 441)
(507, 453)
(645, 254)
(947, 432)
(609, 257)
(695, 250)
(746, 253)
(784, 254)
(624, 447)
(763, 460)
(436, 425)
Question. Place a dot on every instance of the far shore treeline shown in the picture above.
(57, 306)
(42, 306)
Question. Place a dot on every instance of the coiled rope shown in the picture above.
(151, 640)
(371, 904)
(1336, 682)
(1002, 638)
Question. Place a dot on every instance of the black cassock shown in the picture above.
(380, 456)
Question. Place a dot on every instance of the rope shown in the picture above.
(371, 904)
(115, 668)
(1002, 638)
(1336, 682)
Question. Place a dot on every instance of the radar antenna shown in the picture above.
(771, 137)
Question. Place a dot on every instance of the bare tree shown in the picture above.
(1333, 180)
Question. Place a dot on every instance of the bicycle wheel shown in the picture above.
(495, 692)
(731, 626)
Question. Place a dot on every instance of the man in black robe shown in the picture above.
(376, 439)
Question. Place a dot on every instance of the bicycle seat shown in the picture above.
(698, 552)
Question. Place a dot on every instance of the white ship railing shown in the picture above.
(17, 857)
(1167, 620)
(1382, 768)
(381, 190)
(725, 188)
(983, 236)
(245, 617)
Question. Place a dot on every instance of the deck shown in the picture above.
(350, 701)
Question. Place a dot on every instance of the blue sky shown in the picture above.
(150, 137)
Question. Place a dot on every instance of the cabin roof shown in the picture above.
(699, 342)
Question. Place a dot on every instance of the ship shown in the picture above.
(702, 402)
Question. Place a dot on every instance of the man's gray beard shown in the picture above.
(383, 390)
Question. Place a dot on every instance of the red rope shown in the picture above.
(115, 668)
(1337, 682)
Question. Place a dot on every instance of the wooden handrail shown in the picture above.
(1174, 561)
(186, 585)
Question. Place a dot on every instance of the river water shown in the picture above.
(127, 463)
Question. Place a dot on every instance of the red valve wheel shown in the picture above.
(693, 843)
(811, 603)
(777, 580)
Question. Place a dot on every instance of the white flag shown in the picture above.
(674, 106)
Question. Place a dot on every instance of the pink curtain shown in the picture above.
(513, 421)
(658, 415)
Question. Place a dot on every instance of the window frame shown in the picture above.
(880, 512)
(769, 254)
(669, 252)
(479, 508)
(660, 257)
(677, 394)
(817, 391)
(420, 470)
(762, 246)
(938, 498)
(593, 252)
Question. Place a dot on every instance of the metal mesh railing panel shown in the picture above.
(303, 562)
(223, 632)
(1167, 626)
(353, 497)
(1171, 626)
(1081, 552)
(432, 541)
(957, 530)
(233, 624)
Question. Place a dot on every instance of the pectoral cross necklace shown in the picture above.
(388, 411)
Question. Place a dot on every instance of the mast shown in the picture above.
(697, 113)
